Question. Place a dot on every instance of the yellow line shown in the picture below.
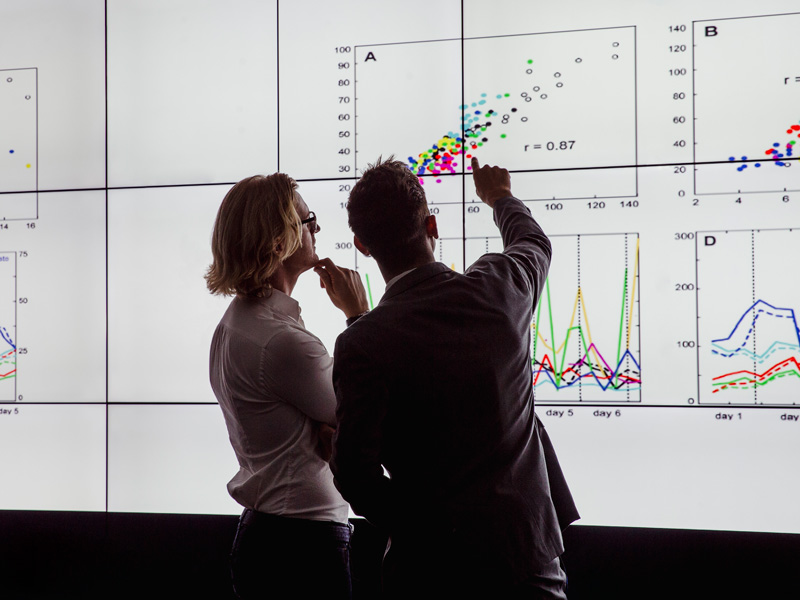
(633, 294)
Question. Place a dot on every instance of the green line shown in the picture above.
(552, 331)
(792, 373)
(563, 354)
(536, 331)
(369, 291)
(622, 316)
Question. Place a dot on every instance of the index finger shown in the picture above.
(327, 263)
(475, 165)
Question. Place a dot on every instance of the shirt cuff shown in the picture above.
(355, 318)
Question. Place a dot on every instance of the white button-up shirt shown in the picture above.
(272, 378)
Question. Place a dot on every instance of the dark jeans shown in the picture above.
(280, 557)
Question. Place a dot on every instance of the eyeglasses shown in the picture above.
(312, 218)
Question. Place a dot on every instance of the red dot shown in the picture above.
(796, 127)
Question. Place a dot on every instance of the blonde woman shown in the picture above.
(272, 378)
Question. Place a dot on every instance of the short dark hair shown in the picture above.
(387, 209)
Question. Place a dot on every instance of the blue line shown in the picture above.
(7, 337)
(755, 317)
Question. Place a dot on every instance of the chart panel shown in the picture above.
(536, 115)
(749, 341)
(19, 139)
(8, 326)
(754, 137)
(585, 331)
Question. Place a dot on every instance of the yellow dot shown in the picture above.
(27, 166)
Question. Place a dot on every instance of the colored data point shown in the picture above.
(11, 152)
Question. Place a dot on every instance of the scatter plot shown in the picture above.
(561, 102)
(18, 143)
(763, 94)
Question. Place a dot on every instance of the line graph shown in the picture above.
(779, 326)
(748, 355)
(8, 327)
(539, 112)
(585, 329)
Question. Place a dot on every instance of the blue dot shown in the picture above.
(776, 145)
(477, 112)
(780, 164)
(758, 165)
(11, 152)
(731, 158)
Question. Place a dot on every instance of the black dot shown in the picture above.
(485, 139)
(513, 110)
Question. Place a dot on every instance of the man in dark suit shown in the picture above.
(434, 385)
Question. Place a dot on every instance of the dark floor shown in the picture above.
(117, 556)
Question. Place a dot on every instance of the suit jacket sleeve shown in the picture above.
(361, 409)
(525, 243)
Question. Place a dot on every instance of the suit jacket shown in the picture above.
(435, 385)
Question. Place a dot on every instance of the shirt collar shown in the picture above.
(397, 278)
(282, 303)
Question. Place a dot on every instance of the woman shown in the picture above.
(272, 379)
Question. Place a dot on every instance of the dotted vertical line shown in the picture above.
(626, 362)
(580, 328)
(753, 278)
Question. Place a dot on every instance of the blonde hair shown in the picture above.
(256, 229)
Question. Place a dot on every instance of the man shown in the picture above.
(435, 386)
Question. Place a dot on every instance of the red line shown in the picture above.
(766, 373)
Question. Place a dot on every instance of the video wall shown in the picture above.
(653, 141)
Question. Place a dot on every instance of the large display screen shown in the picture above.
(654, 141)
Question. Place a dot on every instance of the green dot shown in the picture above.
(530, 62)
(506, 95)
(502, 135)
(480, 143)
